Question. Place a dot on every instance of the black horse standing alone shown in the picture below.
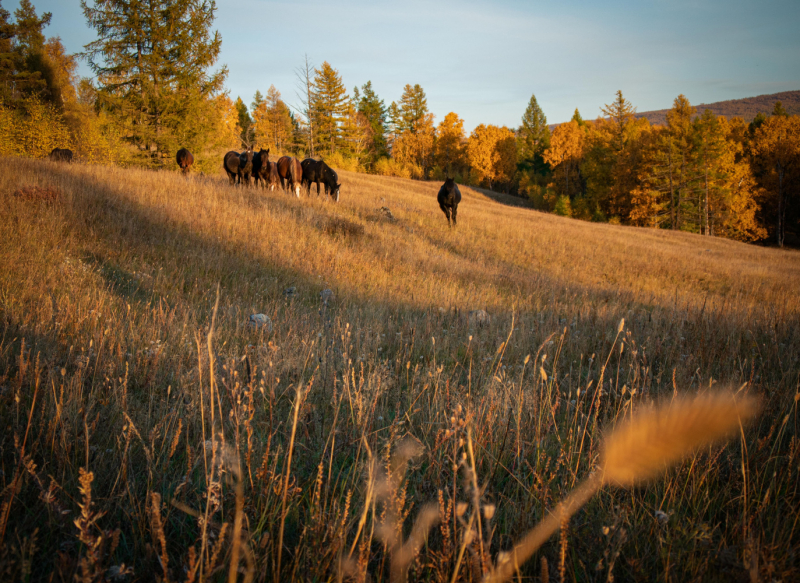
(184, 159)
(449, 196)
(60, 155)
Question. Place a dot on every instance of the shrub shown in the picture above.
(563, 206)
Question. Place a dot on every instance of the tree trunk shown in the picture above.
(781, 210)
(705, 204)
(673, 218)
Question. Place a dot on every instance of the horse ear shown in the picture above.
(267, 150)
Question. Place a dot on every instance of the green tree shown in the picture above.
(392, 125)
(258, 99)
(679, 159)
(329, 108)
(710, 146)
(779, 110)
(563, 206)
(534, 136)
(413, 109)
(152, 61)
(245, 123)
(7, 33)
(620, 112)
(32, 71)
(375, 112)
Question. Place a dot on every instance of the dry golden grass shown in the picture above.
(207, 444)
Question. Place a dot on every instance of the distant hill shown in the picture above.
(746, 108)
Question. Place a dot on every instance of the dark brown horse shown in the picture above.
(274, 177)
(318, 171)
(289, 169)
(261, 166)
(60, 155)
(449, 196)
(231, 164)
(184, 159)
(246, 165)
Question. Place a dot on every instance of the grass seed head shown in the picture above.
(656, 437)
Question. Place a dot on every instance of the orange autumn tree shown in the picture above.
(414, 147)
(492, 154)
(450, 155)
(272, 122)
(564, 155)
(776, 147)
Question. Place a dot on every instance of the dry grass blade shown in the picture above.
(638, 450)
(657, 437)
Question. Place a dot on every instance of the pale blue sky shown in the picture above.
(484, 60)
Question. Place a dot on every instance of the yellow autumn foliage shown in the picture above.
(492, 154)
(33, 130)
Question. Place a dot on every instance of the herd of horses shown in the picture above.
(289, 172)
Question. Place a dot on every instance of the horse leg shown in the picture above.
(296, 187)
(446, 212)
(455, 210)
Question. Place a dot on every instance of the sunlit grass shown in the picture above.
(107, 291)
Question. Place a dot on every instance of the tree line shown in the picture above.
(156, 89)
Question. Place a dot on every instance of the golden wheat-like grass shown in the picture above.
(656, 437)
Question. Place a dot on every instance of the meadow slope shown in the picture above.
(125, 351)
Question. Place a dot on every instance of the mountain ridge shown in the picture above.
(746, 108)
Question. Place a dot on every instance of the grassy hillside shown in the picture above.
(125, 351)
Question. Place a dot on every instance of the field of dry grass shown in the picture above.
(153, 434)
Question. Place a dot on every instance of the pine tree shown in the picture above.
(679, 159)
(710, 148)
(412, 109)
(245, 123)
(7, 33)
(620, 112)
(329, 107)
(779, 110)
(534, 136)
(392, 125)
(258, 100)
(32, 70)
(152, 61)
(374, 110)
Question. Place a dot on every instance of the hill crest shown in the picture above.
(746, 108)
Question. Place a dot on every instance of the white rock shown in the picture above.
(479, 318)
(260, 321)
